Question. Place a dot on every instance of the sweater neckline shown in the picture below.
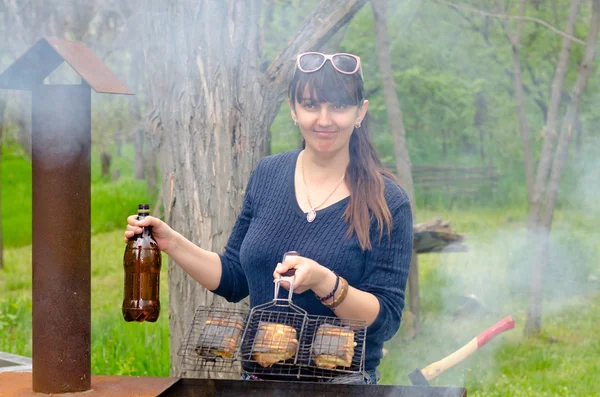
(292, 192)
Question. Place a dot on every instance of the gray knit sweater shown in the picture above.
(271, 223)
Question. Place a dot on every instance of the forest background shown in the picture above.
(452, 66)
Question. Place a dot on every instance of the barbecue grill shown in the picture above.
(230, 388)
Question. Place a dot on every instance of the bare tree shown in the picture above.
(3, 31)
(211, 110)
(515, 42)
(543, 186)
(2, 123)
(537, 190)
(541, 223)
(396, 124)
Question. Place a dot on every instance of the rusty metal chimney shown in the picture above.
(61, 141)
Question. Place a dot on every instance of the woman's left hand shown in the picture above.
(309, 274)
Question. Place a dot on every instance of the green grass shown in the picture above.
(16, 197)
(117, 347)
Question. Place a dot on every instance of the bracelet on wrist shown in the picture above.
(332, 293)
(341, 297)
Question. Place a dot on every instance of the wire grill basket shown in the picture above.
(277, 338)
(336, 346)
(273, 336)
(213, 340)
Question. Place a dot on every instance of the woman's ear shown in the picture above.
(292, 112)
(362, 111)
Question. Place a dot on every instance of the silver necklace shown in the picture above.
(312, 214)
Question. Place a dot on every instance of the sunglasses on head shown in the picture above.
(309, 62)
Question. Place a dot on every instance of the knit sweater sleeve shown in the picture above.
(387, 269)
(234, 285)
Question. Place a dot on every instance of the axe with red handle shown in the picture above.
(422, 377)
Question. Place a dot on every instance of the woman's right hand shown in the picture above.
(163, 234)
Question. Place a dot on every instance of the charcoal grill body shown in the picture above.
(230, 388)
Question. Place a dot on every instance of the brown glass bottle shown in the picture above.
(142, 262)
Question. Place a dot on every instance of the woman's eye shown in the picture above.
(339, 106)
(309, 105)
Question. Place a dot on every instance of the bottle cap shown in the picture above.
(143, 208)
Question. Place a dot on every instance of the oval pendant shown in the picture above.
(311, 215)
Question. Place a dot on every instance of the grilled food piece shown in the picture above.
(274, 343)
(333, 346)
(221, 335)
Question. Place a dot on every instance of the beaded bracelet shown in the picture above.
(332, 293)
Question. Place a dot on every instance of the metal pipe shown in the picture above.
(61, 142)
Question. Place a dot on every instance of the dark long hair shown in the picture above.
(365, 173)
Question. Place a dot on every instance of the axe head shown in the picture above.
(417, 379)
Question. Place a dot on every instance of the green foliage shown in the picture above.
(111, 202)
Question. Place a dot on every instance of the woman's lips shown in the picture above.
(324, 134)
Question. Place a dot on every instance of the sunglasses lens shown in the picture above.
(311, 62)
(345, 63)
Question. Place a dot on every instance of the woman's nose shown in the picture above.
(324, 117)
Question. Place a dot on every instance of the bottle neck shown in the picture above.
(146, 230)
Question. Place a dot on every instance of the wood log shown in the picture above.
(437, 235)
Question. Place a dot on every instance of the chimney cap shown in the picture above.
(47, 54)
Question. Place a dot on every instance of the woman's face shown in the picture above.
(326, 126)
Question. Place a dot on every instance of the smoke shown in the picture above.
(462, 294)
(585, 193)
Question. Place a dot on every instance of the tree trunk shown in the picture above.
(151, 171)
(551, 129)
(544, 221)
(139, 141)
(139, 131)
(578, 140)
(444, 145)
(394, 113)
(212, 108)
(480, 118)
(2, 119)
(519, 97)
(522, 117)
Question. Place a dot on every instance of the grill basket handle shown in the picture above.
(289, 277)
(289, 273)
